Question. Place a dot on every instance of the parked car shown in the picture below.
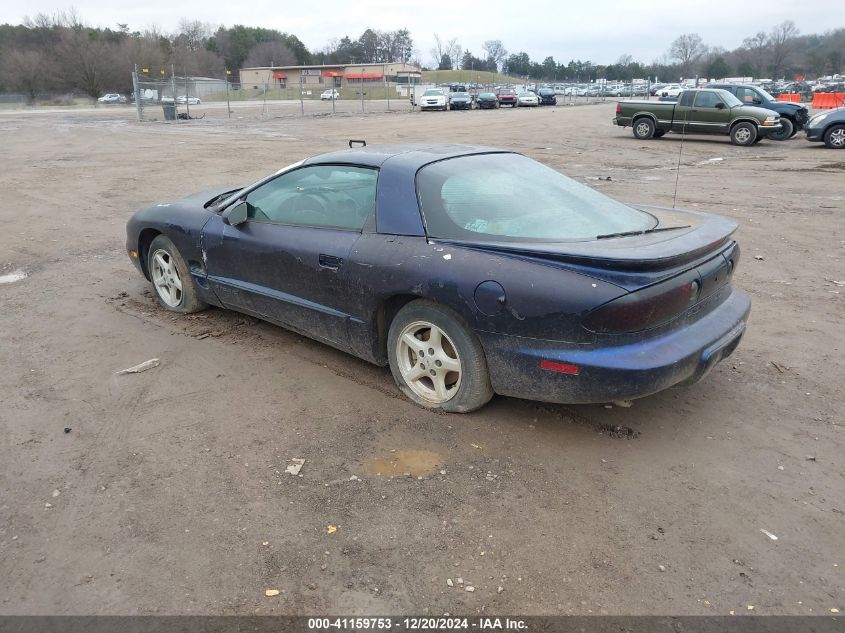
(486, 101)
(670, 90)
(527, 98)
(793, 116)
(703, 111)
(433, 99)
(547, 96)
(451, 280)
(460, 100)
(111, 98)
(328, 95)
(190, 100)
(506, 96)
(828, 128)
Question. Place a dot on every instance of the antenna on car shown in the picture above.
(680, 153)
(360, 142)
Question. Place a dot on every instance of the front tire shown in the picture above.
(171, 279)
(786, 131)
(644, 128)
(744, 134)
(834, 138)
(436, 360)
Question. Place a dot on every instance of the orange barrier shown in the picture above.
(828, 100)
(792, 98)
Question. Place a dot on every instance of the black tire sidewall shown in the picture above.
(829, 133)
(475, 389)
(190, 301)
(782, 135)
(743, 125)
(652, 128)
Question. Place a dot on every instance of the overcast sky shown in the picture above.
(595, 30)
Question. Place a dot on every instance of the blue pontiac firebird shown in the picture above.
(469, 270)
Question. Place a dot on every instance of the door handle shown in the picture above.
(332, 262)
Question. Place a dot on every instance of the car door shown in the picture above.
(286, 261)
(709, 113)
(682, 114)
(748, 96)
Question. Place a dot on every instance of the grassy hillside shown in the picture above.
(466, 76)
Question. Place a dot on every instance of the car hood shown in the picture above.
(761, 114)
(703, 233)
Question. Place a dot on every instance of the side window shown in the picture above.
(706, 100)
(332, 196)
(746, 95)
(686, 98)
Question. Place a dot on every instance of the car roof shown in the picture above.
(414, 155)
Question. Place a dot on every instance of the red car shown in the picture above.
(506, 96)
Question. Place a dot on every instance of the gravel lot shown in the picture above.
(169, 494)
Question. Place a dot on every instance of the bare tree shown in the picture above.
(438, 50)
(270, 54)
(455, 51)
(782, 45)
(193, 34)
(687, 49)
(88, 63)
(25, 71)
(756, 52)
(495, 52)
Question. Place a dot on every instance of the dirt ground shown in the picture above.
(169, 494)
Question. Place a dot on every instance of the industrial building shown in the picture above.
(329, 76)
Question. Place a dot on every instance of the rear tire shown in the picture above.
(786, 131)
(436, 360)
(644, 128)
(744, 134)
(834, 138)
(171, 279)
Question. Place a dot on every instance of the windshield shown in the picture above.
(486, 95)
(730, 99)
(433, 93)
(766, 94)
(511, 198)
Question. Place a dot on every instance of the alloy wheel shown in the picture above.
(166, 279)
(428, 362)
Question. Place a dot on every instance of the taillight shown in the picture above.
(646, 308)
(618, 108)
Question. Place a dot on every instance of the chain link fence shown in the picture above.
(178, 99)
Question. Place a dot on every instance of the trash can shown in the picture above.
(169, 111)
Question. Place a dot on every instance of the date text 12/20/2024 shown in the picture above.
(418, 624)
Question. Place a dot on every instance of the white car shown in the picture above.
(189, 100)
(527, 99)
(671, 90)
(434, 99)
(112, 97)
(328, 95)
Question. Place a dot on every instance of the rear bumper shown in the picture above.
(616, 372)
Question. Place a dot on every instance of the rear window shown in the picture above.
(511, 198)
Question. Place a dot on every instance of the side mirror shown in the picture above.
(720, 106)
(758, 101)
(236, 214)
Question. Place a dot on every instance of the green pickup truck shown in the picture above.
(705, 111)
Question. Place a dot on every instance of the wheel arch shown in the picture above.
(145, 238)
(640, 115)
(739, 120)
(386, 311)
